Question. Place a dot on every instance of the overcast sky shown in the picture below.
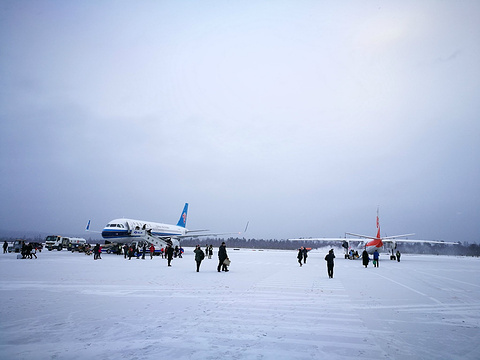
(299, 116)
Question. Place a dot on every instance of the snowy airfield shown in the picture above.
(68, 306)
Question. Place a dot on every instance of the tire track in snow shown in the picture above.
(297, 319)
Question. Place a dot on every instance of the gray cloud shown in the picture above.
(300, 117)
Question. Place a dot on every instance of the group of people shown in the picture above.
(97, 252)
(302, 255)
(223, 260)
(209, 251)
(352, 255)
(170, 252)
(28, 251)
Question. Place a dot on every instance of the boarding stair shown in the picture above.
(147, 236)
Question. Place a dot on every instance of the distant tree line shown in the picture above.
(462, 249)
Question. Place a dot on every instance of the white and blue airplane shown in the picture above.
(125, 231)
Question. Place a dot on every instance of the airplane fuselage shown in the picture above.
(373, 245)
(128, 230)
(378, 244)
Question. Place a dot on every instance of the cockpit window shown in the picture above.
(114, 225)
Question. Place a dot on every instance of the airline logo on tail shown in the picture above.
(378, 227)
(378, 241)
(183, 218)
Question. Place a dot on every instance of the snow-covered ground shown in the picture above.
(68, 306)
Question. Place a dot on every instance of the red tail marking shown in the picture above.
(377, 243)
(378, 228)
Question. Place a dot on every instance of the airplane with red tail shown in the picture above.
(372, 243)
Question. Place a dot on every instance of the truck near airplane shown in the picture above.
(61, 242)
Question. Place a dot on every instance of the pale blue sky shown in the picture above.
(298, 116)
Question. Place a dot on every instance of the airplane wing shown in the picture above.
(421, 241)
(396, 236)
(319, 239)
(383, 238)
(194, 231)
(362, 236)
(186, 236)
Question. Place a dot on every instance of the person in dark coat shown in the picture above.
(376, 258)
(5, 247)
(365, 258)
(329, 259)
(95, 252)
(398, 256)
(199, 256)
(300, 255)
(222, 255)
(305, 255)
(169, 254)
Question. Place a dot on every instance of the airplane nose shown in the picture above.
(108, 234)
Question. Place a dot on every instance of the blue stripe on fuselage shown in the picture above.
(113, 234)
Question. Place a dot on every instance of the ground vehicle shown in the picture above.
(76, 244)
(61, 242)
(112, 248)
(16, 246)
(76, 247)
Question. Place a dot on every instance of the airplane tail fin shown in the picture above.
(87, 228)
(183, 218)
(378, 226)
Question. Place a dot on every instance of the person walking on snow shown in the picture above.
(376, 258)
(300, 255)
(199, 256)
(365, 258)
(305, 255)
(222, 255)
(329, 259)
(169, 254)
